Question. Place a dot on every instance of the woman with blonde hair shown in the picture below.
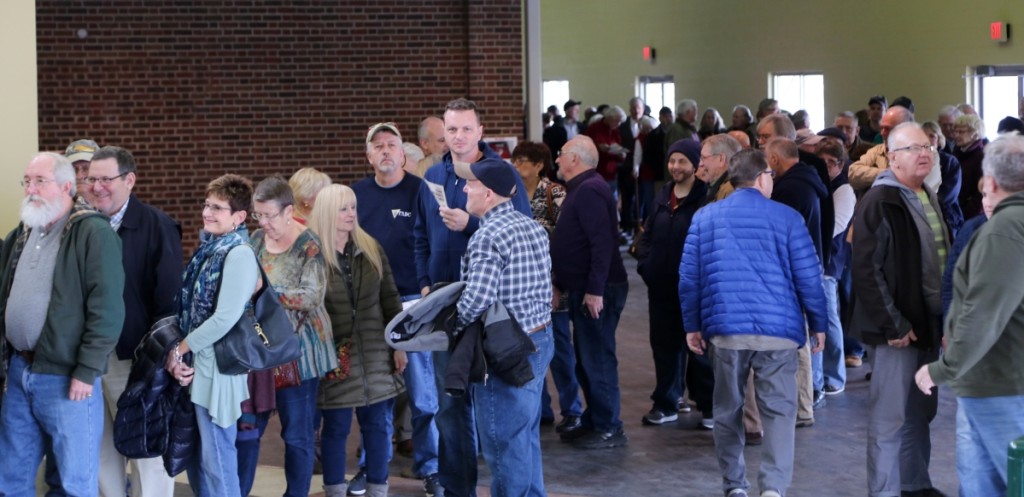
(306, 183)
(361, 298)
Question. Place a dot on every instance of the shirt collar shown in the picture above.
(115, 220)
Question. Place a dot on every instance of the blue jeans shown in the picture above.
(508, 420)
(295, 406)
(419, 383)
(36, 406)
(563, 370)
(456, 427)
(375, 428)
(215, 471)
(985, 426)
(597, 367)
(829, 365)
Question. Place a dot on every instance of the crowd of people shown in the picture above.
(774, 257)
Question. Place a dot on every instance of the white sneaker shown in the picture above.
(707, 423)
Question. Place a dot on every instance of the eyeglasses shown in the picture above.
(563, 152)
(764, 137)
(37, 182)
(214, 207)
(706, 157)
(916, 149)
(769, 172)
(105, 181)
(834, 162)
(258, 216)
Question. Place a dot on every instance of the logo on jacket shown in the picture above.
(397, 213)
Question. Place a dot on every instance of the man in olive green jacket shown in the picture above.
(985, 330)
(61, 299)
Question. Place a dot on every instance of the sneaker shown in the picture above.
(754, 438)
(707, 423)
(601, 440)
(736, 492)
(771, 493)
(357, 485)
(804, 422)
(659, 417)
(684, 406)
(569, 424)
(853, 361)
(831, 390)
(432, 486)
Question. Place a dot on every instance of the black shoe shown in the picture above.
(601, 440)
(572, 435)
(547, 421)
(819, 400)
(569, 424)
(924, 492)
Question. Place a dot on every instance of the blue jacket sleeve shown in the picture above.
(689, 277)
(421, 242)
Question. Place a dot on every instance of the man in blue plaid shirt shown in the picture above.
(507, 260)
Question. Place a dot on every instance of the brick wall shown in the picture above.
(200, 88)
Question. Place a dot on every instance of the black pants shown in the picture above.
(672, 356)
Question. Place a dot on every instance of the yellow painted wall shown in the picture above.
(19, 129)
(721, 51)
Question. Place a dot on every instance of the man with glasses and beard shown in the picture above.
(61, 294)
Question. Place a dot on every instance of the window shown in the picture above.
(657, 92)
(554, 92)
(796, 91)
(1000, 89)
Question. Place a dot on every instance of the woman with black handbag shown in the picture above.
(217, 284)
(361, 299)
(291, 256)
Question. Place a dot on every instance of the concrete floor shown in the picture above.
(678, 459)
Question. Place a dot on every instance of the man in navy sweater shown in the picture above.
(441, 235)
(389, 200)
(587, 265)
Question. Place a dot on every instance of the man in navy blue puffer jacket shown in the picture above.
(748, 277)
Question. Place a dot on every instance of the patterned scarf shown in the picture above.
(201, 279)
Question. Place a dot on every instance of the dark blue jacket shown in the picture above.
(661, 245)
(151, 255)
(802, 189)
(949, 192)
(439, 250)
(959, 244)
(585, 246)
(749, 268)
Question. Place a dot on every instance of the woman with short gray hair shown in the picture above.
(969, 131)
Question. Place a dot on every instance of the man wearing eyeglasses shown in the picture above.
(749, 275)
(151, 256)
(899, 252)
(61, 300)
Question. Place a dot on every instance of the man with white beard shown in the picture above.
(61, 298)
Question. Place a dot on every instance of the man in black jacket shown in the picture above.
(151, 254)
(899, 250)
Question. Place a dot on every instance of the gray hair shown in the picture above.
(846, 115)
(723, 144)
(616, 111)
(973, 123)
(746, 166)
(781, 125)
(63, 170)
(1004, 162)
(685, 106)
(746, 111)
(951, 111)
(899, 129)
(586, 154)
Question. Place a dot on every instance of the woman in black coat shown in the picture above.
(659, 251)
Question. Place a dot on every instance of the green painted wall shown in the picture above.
(721, 51)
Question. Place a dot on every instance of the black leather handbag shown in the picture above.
(263, 338)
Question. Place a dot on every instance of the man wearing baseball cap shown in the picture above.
(508, 261)
(80, 153)
(564, 129)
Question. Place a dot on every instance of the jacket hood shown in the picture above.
(488, 152)
(805, 173)
(888, 178)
